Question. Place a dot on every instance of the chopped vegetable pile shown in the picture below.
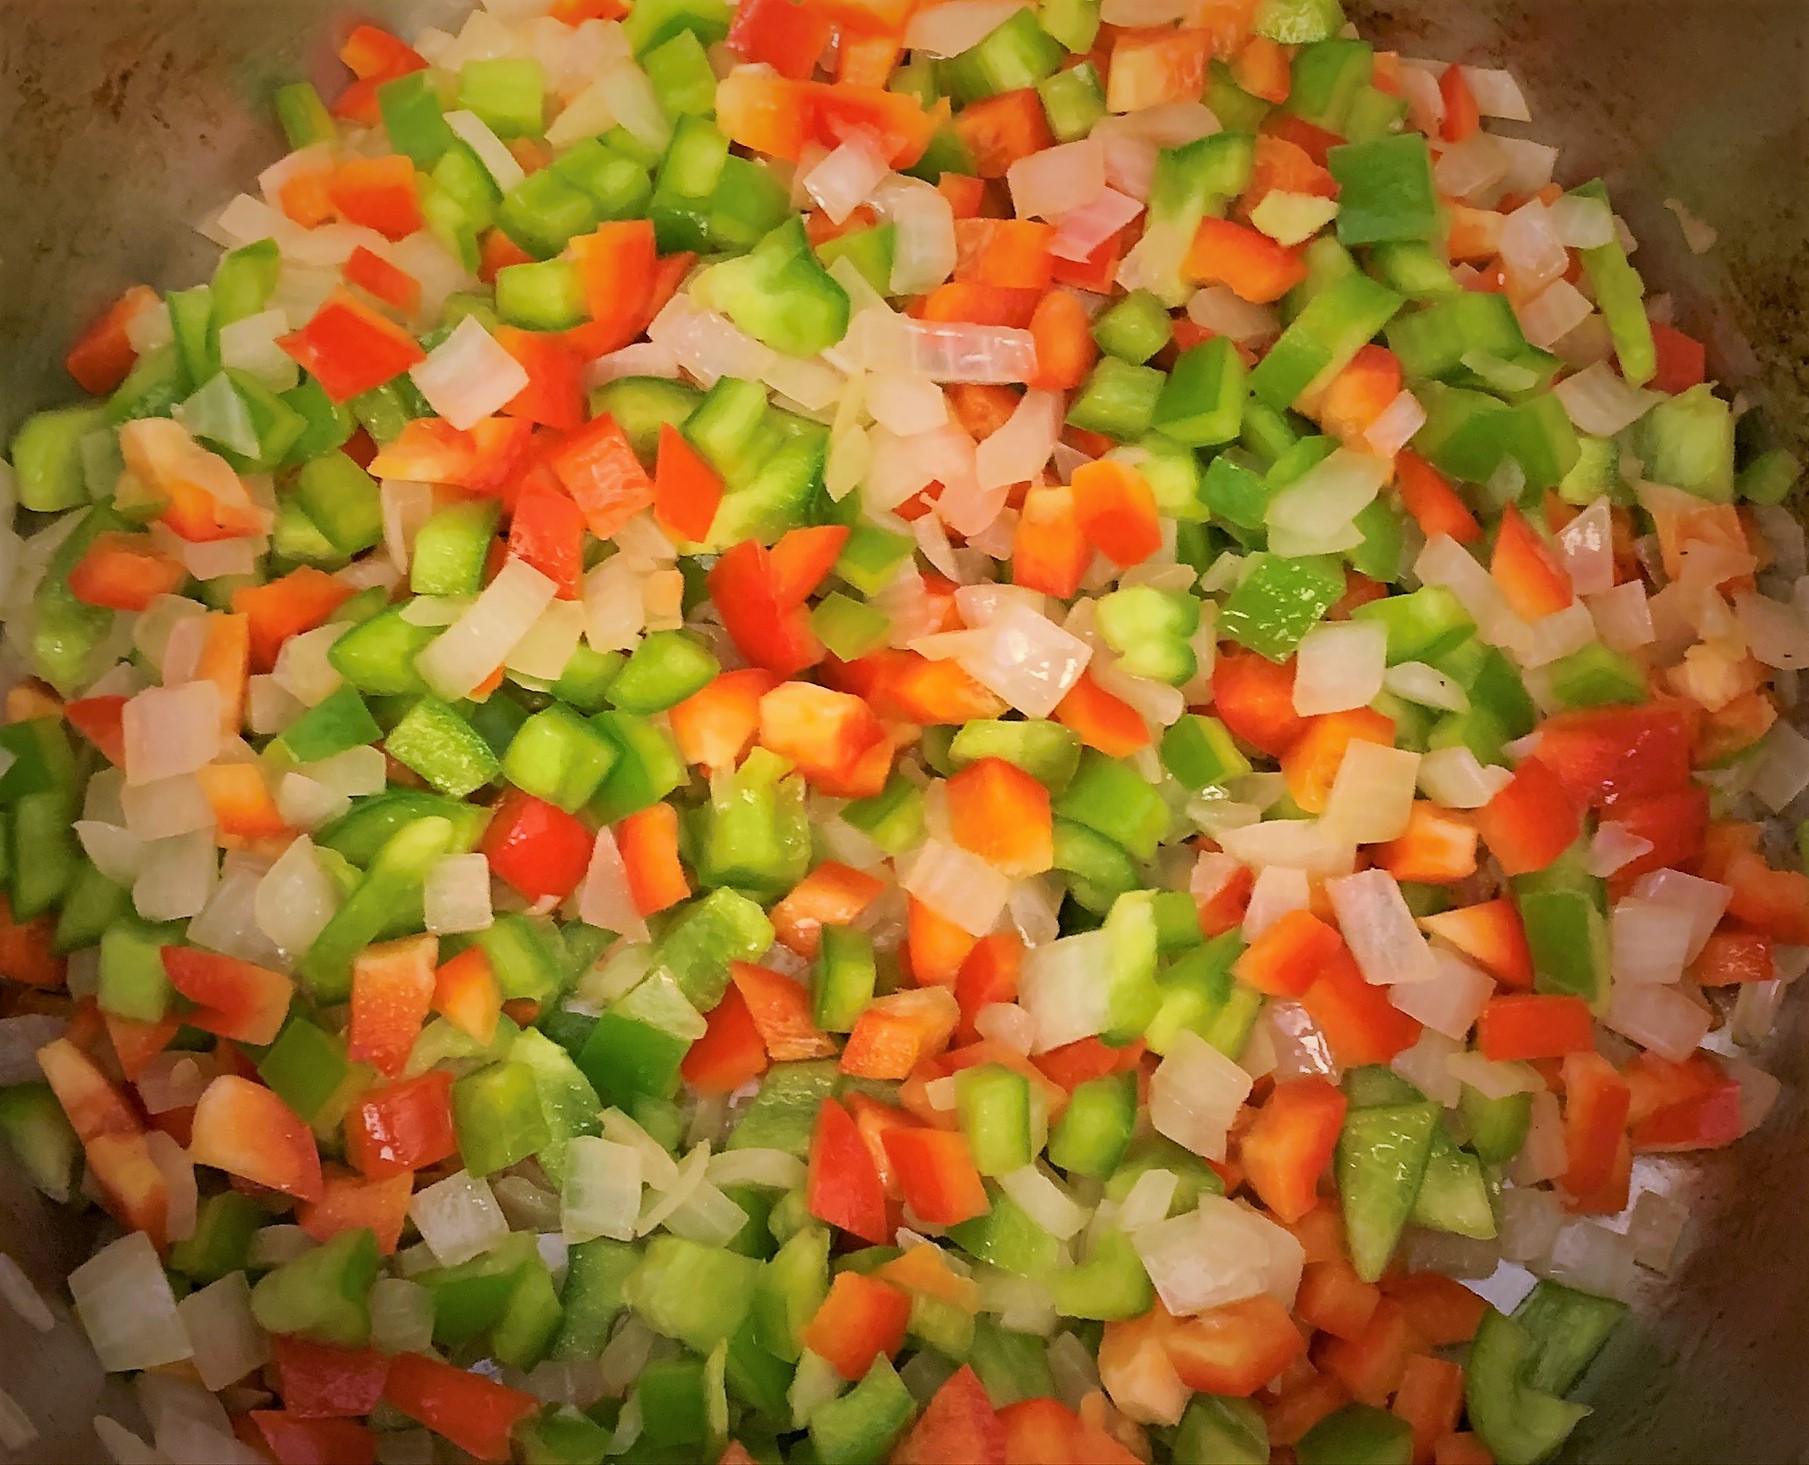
(845, 732)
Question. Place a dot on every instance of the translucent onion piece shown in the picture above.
(401, 1316)
(295, 899)
(1426, 1065)
(1553, 313)
(491, 151)
(1017, 451)
(1469, 168)
(170, 731)
(456, 895)
(1059, 987)
(1329, 495)
(1586, 549)
(1542, 1157)
(166, 808)
(1371, 797)
(1775, 633)
(923, 253)
(1427, 686)
(1395, 427)
(1593, 1259)
(1303, 843)
(1045, 1202)
(1658, 1016)
(769, 1169)
(1080, 231)
(479, 641)
(1493, 1080)
(1650, 942)
(1148, 1200)
(1612, 847)
(1027, 659)
(469, 376)
(302, 668)
(952, 27)
(1341, 665)
(1529, 164)
(1782, 771)
(1531, 251)
(1221, 1253)
(124, 1302)
(846, 175)
(1379, 929)
(1497, 94)
(1222, 311)
(1655, 1228)
(1057, 180)
(1623, 616)
(958, 885)
(1530, 1220)
(1195, 1094)
(602, 1190)
(1704, 900)
(1451, 1001)
(227, 1341)
(1699, 235)
(458, 1218)
(1599, 401)
(1278, 890)
(906, 405)
(178, 876)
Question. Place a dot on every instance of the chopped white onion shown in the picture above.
(602, 1190)
(1586, 549)
(1650, 942)
(1008, 1024)
(401, 1316)
(1379, 929)
(458, 1218)
(768, 1169)
(480, 640)
(847, 174)
(117, 853)
(302, 668)
(1341, 665)
(1655, 1228)
(1553, 313)
(178, 877)
(1469, 168)
(1045, 1202)
(491, 151)
(1497, 94)
(1554, 636)
(1371, 798)
(1698, 234)
(905, 405)
(456, 895)
(227, 1341)
(469, 376)
(1278, 890)
(957, 884)
(170, 731)
(1195, 1094)
(1530, 1219)
(1304, 843)
(1148, 1200)
(1614, 846)
(1057, 180)
(1018, 450)
(1220, 1253)
(124, 1301)
(1059, 987)
(166, 808)
(1451, 1001)
(1775, 633)
(295, 899)
(1396, 426)
(1659, 1017)
(1599, 401)
(949, 28)
(1529, 164)
(1531, 251)
(1593, 1259)
(923, 248)
(1426, 1065)
(1429, 687)
(1491, 1079)
(1623, 616)
(1329, 495)
(1543, 1156)
(1027, 659)
(1705, 900)
(1080, 231)
(1221, 310)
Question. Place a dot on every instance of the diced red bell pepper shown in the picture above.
(547, 531)
(536, 847)
(1440, 1309)
(801, 560)
(376, 276)
(1435, 505)
(1254, 698)
(1682, 360)
(1047, 1432)
(1533, 820)
(379, 193)
(28, 951)
(844, 1187)
(617, 265)
(1313, 758)
(487, 459)
(100, 721)
(785, 35)
(292, 1440)
(1290, 1143)
(716, 725)
(476, 1413)
(988, 974)
(768, 633)
(402, 1126)
(780, 1010)
(1370, 1366)
(958, 1426)
(1673, 824)
(88, 1097)
(244, 1129)
(124, 572)
(1251, 264)
(1002, 814)
(1596, 1101)
(350, 349)
(1103, 721)
(103, 355)
(1334, 1299)
(1235, 1349)
(832, 894)
(554, 395)
(1359, 1022)
(1526, 570)
(1491, 935)
(603, 476)
(320, 1381)
(392, 991)
(686, 490)
(896, 1032)
(1731, 956)
(1116, 510)
(1527, 1025)
(1288, 957)
(936, 1175)
(729, 1053)
(825, 733)
(1606, 754)
(373, 54)
(860, 1320)
(296, 602)
(232, 998)
(357, 1203)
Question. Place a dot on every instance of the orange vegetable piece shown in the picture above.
(1311, 761)
(897, 1032)
(832, 894)
(1002, 814)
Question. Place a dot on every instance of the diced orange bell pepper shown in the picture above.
(1289, 956)
(298, 601)
(1462, 120)
(686, 490)
(649, 844)
(27, 949)
(1359, 1022)
(1002, 128)
(1491, 935)
(833, 894)
(895, 1033)
(103, 356)
(936, 1175)
(1002, 814)
(466, 994)
(1233, 1350)
(1116, 511)
(616, 268)
(351, 1202)
(935, 945)
(244, 1129)
(1290, 1144)
(1532, 820)
(1008, 254)
(244, 811)
(1251, 264)
(1065, 348)
(602, 474)
(860, 1320)
(1438, 847)
(1440, 1309)
(1526, 570)
(1360, 394)
(1101, 720)
(1435, 505)
(1311, 761)
(1371, 1365)
(1430, 1397)
(781, 1013)
(1254, 698)
(823, 732)
(1334, 1299)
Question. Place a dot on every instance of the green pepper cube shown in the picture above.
(587, 677)
(47, 457)
(1565, 912)
(1200, 753)
(843, 982)
(303, 116)
(323, 1294)
(707, 935)
(849, 628)
(1007, 1237)
(1385, 189)
(1095, 1128)
(307, 1068)
(1202, 402)
(1015, 54)
(133, 983)
(1236, 491)
(618, 185)
(508, 93)
(1421, 625)
(414, 120)
(872, 556)
(1325, 80)
(687, 182)
(681, 76)
(1073, 100)
(699, 1295)
(443, 748)
(1118, 399)
(779, 293)
(1113, 799)
(496, 1112)
(1687, 441)
(1229, 1430)
(1357, 1432)
(1294, 22)
(648, 25)
(524, 954)
(451, 547)
(627, 1057)
(1595, 676)
(1320, 342)
(221, 1241)
(1134, 329)
(558, 756)
(993, 1103)
(1620, 294)
(666, 668)
(1047, 751)
(1279, 600)
(546, 295)
(1520, 1419)
(1380, 1161)
(1150, 629)
(647, 766)
(893, 817)
(673, 1393)
(784, 1112)
(543, 213)
(861, 1426)
(337, 723)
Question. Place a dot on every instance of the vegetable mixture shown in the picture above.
(841, 732)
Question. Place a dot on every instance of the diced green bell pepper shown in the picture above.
(323, 1294)
(1381, 1159)
(699, 1295)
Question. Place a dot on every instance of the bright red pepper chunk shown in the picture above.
(477, 1414)
(536, 847)
(404, 1126)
